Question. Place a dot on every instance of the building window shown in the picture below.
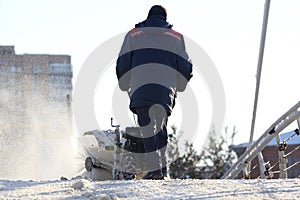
(12, 69)
(60, 68)
(62, 82)
(2, 70)
(18, 69)
(36, 70)
(12, 81)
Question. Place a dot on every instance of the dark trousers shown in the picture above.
(153, 122)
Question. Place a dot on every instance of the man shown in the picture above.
(152, 66)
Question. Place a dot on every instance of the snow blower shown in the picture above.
(119, 154)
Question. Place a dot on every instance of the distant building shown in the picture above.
(35, 101)
(270, 154)
(47, 75)
(29, 82)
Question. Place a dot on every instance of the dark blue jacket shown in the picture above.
(153, 64)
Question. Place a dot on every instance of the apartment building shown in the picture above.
(35, 107)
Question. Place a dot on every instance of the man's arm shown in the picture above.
(184, 67)
(124, 64)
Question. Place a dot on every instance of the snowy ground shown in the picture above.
(145, 189)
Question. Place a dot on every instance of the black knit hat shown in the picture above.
(158, 10)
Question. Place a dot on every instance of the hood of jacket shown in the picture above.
(156, 21)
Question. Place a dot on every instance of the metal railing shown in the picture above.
(256, 148)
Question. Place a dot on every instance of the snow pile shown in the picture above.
(148, 189)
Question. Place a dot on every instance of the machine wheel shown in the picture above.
(88, 164)
(117, 175)
(128, 176)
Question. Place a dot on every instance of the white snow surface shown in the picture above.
(151, 189)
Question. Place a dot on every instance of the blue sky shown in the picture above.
(229, 31)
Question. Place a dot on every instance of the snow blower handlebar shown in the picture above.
(117, 152)
(111, 123)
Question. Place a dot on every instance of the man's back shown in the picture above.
(153, 56)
